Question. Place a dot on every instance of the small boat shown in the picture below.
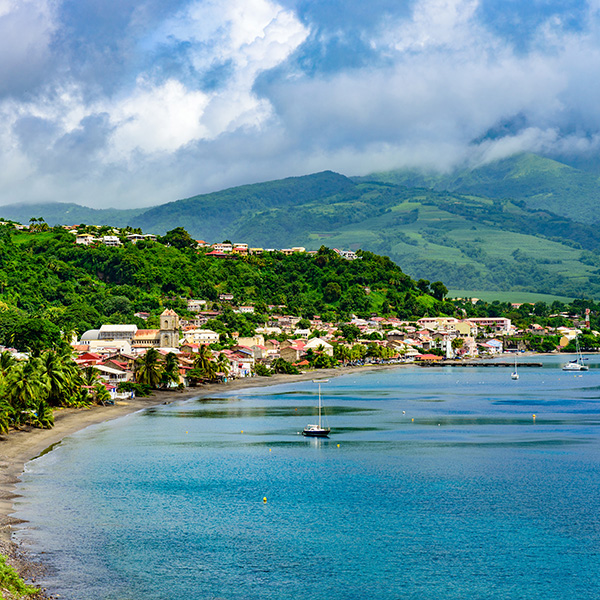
(317, 430)
(577, 364)
(515, 373)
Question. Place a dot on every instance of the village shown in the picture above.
(114, 349)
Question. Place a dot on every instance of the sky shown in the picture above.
(125, 104)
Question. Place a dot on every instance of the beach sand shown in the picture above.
(19, 447)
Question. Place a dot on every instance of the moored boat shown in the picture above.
(317, 430)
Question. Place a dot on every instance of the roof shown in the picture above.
(168, 312)
(147, 333)
(123, 328)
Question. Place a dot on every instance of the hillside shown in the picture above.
(64, 213)
(540, 182)
(435, 227)
(46, 278)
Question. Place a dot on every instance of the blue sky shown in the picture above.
(131, 103)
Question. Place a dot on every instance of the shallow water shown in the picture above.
(474, 498)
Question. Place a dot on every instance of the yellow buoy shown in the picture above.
(269, 449)
(338, 445)
(265, 500)
(242, 431)
(413, 420)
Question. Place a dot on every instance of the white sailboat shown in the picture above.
(515, 373)
(317, 430)
(577, 364)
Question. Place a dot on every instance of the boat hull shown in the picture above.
(316, 432)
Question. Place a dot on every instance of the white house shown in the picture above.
(201, 336)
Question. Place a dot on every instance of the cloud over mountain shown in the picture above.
(138, 102)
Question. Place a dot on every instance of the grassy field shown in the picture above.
(516, 297)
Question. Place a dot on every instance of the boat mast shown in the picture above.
(319, 405)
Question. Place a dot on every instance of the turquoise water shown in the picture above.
(474, 499)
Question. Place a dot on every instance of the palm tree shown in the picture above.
(7, 361)
(90, 376)
(171, 372)
(148, 370)
(58, 378)
(203, 359)
(222, 364)
(27, 385)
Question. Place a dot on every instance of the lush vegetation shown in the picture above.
(50, 287)
(522, 224)
(30, 389)
(12, 584)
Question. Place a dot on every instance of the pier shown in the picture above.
(473, 363)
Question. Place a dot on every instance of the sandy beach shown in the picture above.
(19, 447)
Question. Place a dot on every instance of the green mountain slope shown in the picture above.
(63, 213)
(541, 182)
(463, 229)
(468, 241)
(216, 216)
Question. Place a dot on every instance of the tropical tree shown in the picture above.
(171, 370)
(27, 386)
(223, 365)
(203, 360)
(148, 368)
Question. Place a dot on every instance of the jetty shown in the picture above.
(474, 363)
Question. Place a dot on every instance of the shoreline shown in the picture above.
(18, 447)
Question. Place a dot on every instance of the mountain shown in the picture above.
(542, 183)
(65, 213)
(484, 229)
(223, 214)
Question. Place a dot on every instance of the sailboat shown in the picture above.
(317, 430)
(577, 364)
(515, 374)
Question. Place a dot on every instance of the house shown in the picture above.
(256, 340)
(497, 324)
(291, 350)
(224, 247)
(134, 238)
(302, 333)
(201, 336)
(111, 240)
(347, 254)
(318, 343)
(226, 297)
(85, 239)
(196, 305)
(247, 310)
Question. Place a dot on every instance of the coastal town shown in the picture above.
(300, 343)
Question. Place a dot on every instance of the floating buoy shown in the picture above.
(264, 500)
(269, 449)
(242, 431)
(403, 412)
(186, 431)
(413, 420)
(338, 445)
(534, 417)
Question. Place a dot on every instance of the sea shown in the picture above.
(435, 484)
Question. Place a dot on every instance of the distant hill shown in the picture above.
(540, 182)
(64, 213)
(223, 214)
(489, 228)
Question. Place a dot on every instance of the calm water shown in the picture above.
(474, 499)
